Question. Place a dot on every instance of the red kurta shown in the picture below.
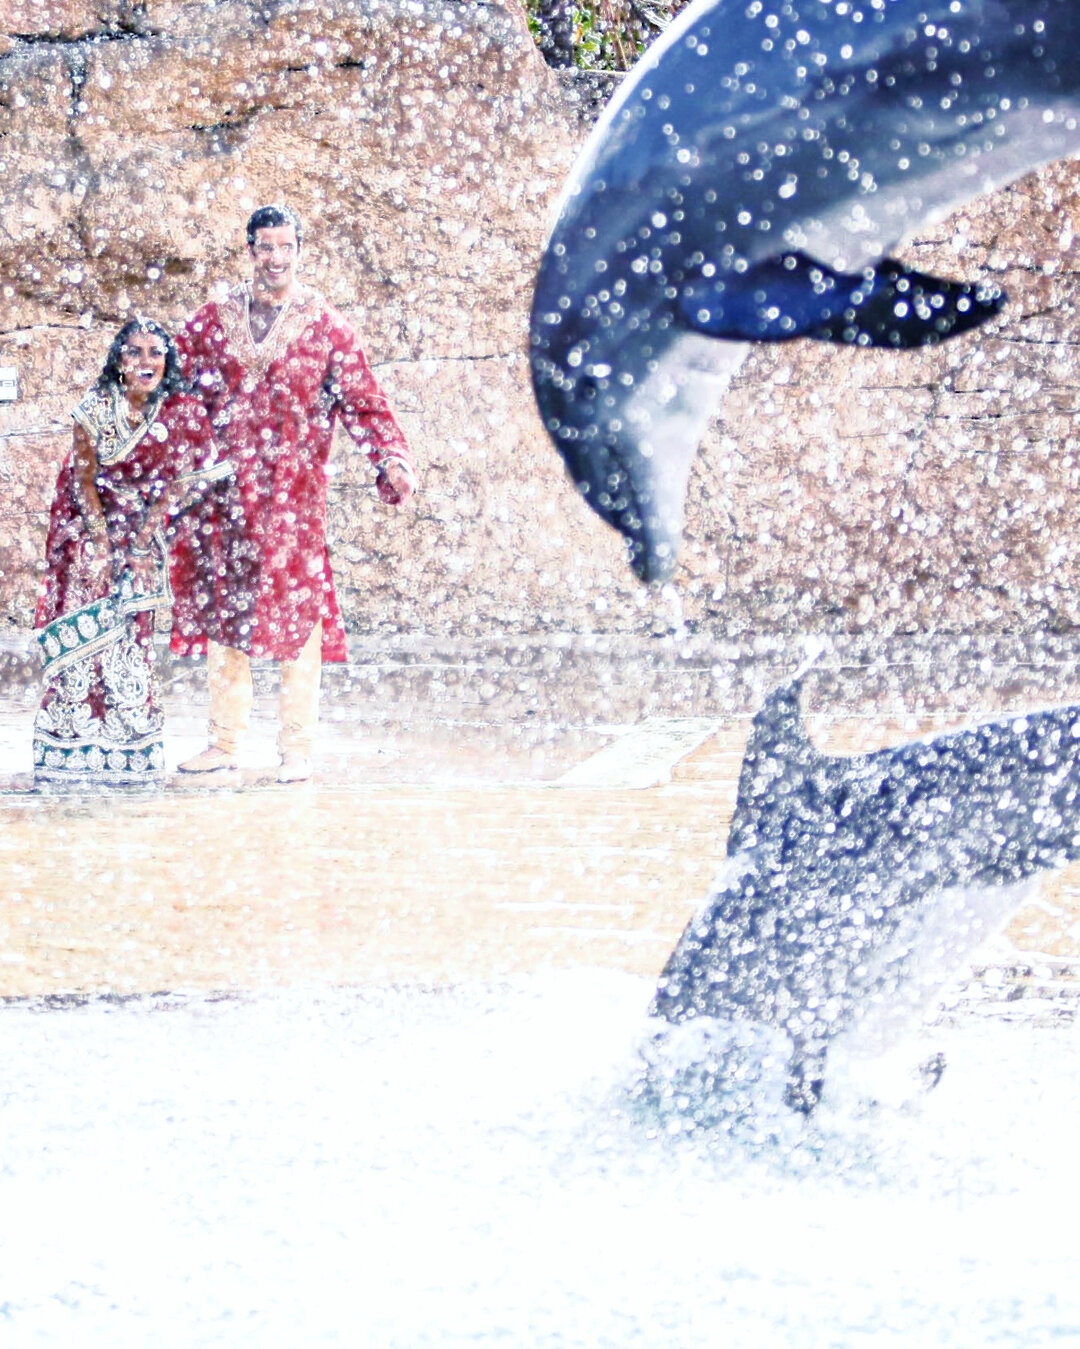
(273, 406)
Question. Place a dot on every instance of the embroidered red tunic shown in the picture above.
(274, 405)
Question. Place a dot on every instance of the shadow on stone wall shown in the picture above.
(425, 145)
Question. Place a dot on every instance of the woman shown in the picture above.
(142, 449)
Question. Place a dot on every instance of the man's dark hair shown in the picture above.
(270, 217)
(173, 379)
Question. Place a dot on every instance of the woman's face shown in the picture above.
(142, 363)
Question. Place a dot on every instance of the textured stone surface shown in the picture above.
(425, 144)
(866, 491)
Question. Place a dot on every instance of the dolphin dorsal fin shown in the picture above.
(778, 751)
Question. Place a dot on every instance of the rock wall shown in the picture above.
(867, 491)
(424, 143)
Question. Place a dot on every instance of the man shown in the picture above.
(276, 367)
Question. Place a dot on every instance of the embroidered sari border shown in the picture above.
(95, 764)
(141, 745)
(77, 635)
(103, 416)
(212, 473)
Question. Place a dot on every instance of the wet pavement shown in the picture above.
(476, 812)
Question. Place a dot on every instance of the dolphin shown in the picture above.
(855, 887)
(746, 184)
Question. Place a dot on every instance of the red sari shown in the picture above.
(274, 405)
(100, 719)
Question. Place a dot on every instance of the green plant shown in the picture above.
(598, 34)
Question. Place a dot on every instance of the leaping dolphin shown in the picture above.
(855, 887)
(746, 184)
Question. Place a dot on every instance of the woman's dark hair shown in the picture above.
(171, 382)
(270, 217)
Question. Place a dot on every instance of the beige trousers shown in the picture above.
(229, 677)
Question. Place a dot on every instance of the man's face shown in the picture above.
(275, 254)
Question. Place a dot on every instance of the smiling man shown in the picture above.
(276, 368)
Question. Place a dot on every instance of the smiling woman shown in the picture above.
(142, 449)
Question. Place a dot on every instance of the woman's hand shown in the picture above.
(92, 574)
(142, 563)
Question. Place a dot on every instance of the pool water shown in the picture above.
(465, 1165)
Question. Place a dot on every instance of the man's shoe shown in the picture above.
(211, 760)
(294, 768)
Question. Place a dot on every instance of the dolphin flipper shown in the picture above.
(884, 305)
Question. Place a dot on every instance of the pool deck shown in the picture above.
(477, 811)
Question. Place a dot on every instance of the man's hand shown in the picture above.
(395, 483)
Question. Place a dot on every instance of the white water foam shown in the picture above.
(461, 1167)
